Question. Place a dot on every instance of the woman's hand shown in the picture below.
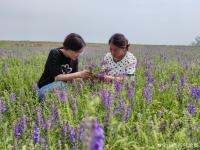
(108, 78)
(111, 78)
(85, 74)
(71, 76)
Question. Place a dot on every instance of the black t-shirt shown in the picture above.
(57, 63)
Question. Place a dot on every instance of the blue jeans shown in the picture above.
(50, 87)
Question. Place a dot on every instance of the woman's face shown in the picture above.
(117, 52)
(74, 54)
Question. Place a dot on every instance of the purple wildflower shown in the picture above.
(103, 62)
(2, 106)
(26, 120)
(198, 127)
(38, 109)
(173, 77)
(59, 142)
(195, 92)
(12, 97)
(123, 106)
(62, 96)
(117, 86)
(104, 95)
(18, 129)
(36, 119)
(182, 80)
(80, 133)
(128, 112)
(147, 92)
(109, 101)
(107, 119)
(127, 86)
(74, 148)
(69, 98)
(93, 65)
(145, 74)
(36, 133)
(97, 137)
(62, 131)
(55, 111)
(107, 70)
(116, 110)
(81, 128)
(45, 146)
(72, 134)
(68, 128)
(133, 84)
(74, 103)
(151, 79)
(130, 92)
(43, 122)
(56, 91)
(161, 87)
(50, 119)
(67, 89)
(100, 75)
(191, 108)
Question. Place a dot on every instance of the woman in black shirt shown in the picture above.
(62, 65)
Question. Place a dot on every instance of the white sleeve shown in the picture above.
(130, 68)
(105, 63)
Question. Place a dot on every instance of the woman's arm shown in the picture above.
(112, 78)
(118, 79)
(71, 76)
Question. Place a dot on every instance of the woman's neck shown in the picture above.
(119, 57)
(65, 53)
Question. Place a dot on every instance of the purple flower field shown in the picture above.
(160, 109)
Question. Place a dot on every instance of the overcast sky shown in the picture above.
(142, 21)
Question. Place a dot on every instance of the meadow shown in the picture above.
(160, 109)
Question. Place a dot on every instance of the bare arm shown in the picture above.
(112, 78)
(71, 76)
(118, 79)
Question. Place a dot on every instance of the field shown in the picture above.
(159, 110)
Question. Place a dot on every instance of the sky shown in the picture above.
(170, 22)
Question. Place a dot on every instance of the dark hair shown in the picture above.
(119, 40)
(73, 42)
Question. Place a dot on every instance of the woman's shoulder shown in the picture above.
(55, 52)
(130, 55)
(108, 55)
